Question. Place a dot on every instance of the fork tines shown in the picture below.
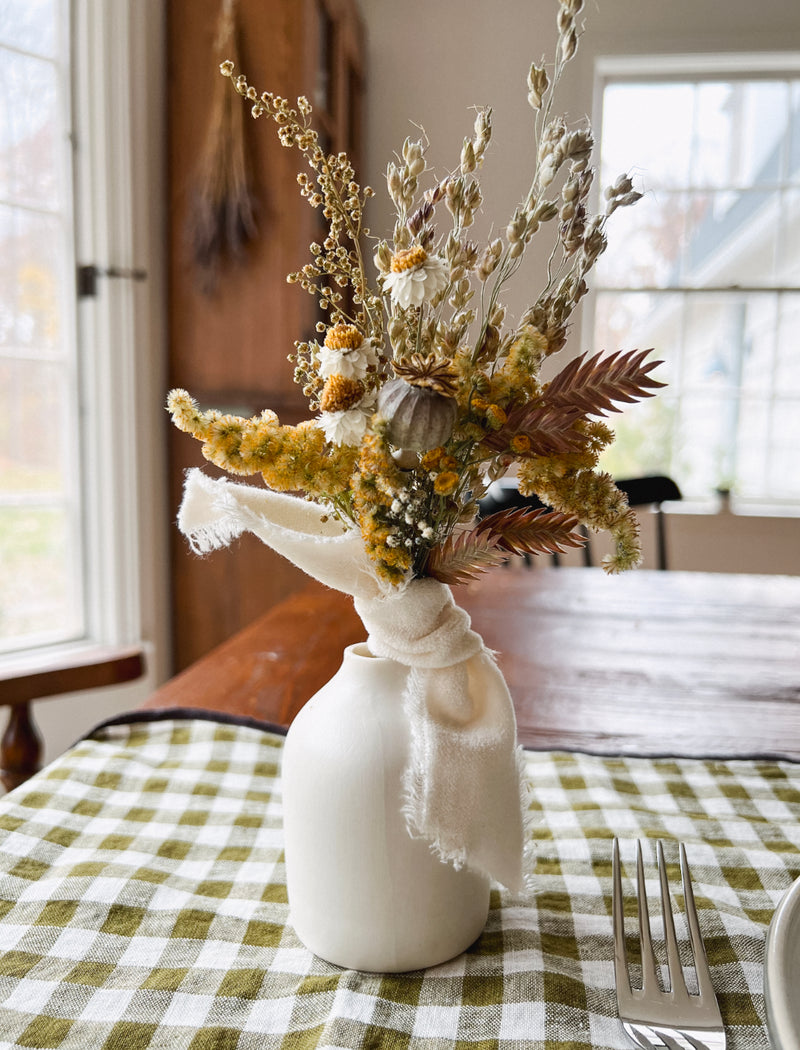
(652, 1017)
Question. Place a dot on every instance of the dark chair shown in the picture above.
(641, 492)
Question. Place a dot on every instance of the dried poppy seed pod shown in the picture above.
(417, 417)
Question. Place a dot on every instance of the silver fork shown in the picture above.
(653, 1018)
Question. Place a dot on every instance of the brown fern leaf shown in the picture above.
(591, 387)
(549, 428)
(520, 530)
(464, 557)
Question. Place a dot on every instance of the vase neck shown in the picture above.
(377, 672)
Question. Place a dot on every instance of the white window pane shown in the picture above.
(644, 432)
(705, 428)
(39, 597)
(787, 352)
(638, 320)
(784, 475)
(658, 119)
(643, 439)
(31, 25)
(33, 282)
(35, 413)
(732, 238)
(758, 344)
(713, 343)
(753, 451)
(31, 131)
(740, 133)
(788, 263)
(645, 242)
(761, 110)
(715, 133)
(793, 151)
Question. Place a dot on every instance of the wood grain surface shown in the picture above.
(645, 663)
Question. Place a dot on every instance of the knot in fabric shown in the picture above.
(420, 627)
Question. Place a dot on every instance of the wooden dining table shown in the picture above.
(645, 663)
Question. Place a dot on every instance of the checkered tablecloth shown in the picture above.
(143, 904)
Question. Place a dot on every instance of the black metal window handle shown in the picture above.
(87, 277)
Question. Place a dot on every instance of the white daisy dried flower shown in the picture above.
(352, 358)
(346, 427)
(415, 277)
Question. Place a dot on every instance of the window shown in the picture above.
(706, 268)
(83, 517)
(41, 542)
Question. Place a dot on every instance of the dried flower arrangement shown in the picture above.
(424, 393)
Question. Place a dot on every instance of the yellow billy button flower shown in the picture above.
(495, 416)
(520, 443)
(445, 483)
(340, 393)
(408, 258)
(430, 460)
(343, 336)
(448, 463)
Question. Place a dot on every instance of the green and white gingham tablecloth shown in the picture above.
(143, 904)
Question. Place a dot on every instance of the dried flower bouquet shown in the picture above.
(423, 390)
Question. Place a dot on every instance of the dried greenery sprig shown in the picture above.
(337, 262)
(424, 391)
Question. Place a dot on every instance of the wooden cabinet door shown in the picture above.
(229, 348)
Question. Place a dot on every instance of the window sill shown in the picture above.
(736, 509)
(67, 669)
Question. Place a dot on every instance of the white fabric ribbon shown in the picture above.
(464, 790)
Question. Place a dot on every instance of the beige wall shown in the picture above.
(429, 62)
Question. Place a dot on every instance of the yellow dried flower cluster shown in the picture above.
(408, 258)
(376, 486)
(289, 458)
(427, 355)
(340, 393)
(343, 337)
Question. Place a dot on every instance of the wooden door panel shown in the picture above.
(229, 349)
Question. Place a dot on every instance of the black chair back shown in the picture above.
(652, 490)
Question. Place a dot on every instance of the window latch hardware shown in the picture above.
(87, 277)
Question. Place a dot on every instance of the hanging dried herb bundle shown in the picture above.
(221, 218)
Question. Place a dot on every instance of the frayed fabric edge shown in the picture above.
(207, 538)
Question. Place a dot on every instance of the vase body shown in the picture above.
(362, 892)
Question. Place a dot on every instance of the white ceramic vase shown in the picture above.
(363, 893)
